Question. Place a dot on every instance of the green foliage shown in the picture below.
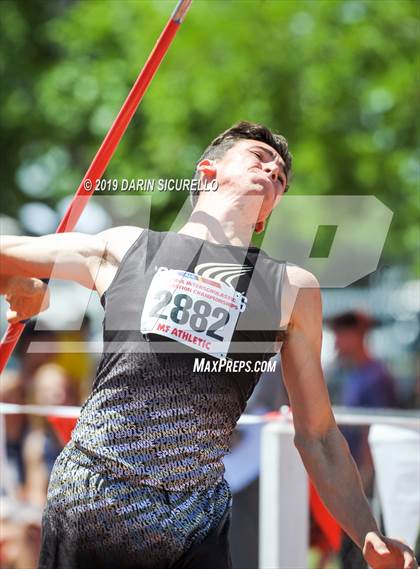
(338, 78)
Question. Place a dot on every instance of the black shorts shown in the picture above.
(212, 553)
(93, 522)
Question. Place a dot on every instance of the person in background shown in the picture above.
(51, 385)
(16, 428)
(31, 446)
(358, 379)
(20, 534)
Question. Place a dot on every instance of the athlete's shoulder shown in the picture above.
(118, 240)
(300, 294)
(300, 278)
(120, 231)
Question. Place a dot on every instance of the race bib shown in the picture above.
(198, 312)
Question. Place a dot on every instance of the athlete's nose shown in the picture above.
(273, 170)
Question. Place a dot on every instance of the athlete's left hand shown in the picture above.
(27, 296)
(382, 552)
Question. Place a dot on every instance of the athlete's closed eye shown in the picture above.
(261, 156)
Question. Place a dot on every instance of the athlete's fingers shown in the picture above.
(13, 316)
(409, 560)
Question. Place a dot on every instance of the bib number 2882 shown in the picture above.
(201, 313)
(198, 314)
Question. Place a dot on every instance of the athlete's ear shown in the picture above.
(208, 168)
(259, 226)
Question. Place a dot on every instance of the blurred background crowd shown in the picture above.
(338, 78)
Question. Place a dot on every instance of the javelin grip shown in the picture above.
(106, 151)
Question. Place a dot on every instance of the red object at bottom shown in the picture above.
(63, 427)
(331, 531)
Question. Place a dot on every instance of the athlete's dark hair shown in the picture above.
(245, 130)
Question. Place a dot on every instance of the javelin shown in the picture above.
(106, 151)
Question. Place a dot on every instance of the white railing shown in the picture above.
(344, 415)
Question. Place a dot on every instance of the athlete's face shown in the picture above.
(348, 342)
(252, 168)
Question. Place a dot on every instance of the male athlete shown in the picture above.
(141, 482)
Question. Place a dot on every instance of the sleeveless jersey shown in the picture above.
(177, 300)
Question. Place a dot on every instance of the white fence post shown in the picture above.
(396, 456)
(284, 515)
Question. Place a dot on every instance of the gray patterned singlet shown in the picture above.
(143, 471)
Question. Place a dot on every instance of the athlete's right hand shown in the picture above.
(27, 296)
(382, 552)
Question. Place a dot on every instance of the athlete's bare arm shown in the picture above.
(321, 445)
(90, 260)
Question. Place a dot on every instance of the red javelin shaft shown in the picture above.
(106, 151)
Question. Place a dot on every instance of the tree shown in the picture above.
(337, 78)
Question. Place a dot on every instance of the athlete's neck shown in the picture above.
(219, 224)
(222, 232)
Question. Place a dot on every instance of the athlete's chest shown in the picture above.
(196, 294)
